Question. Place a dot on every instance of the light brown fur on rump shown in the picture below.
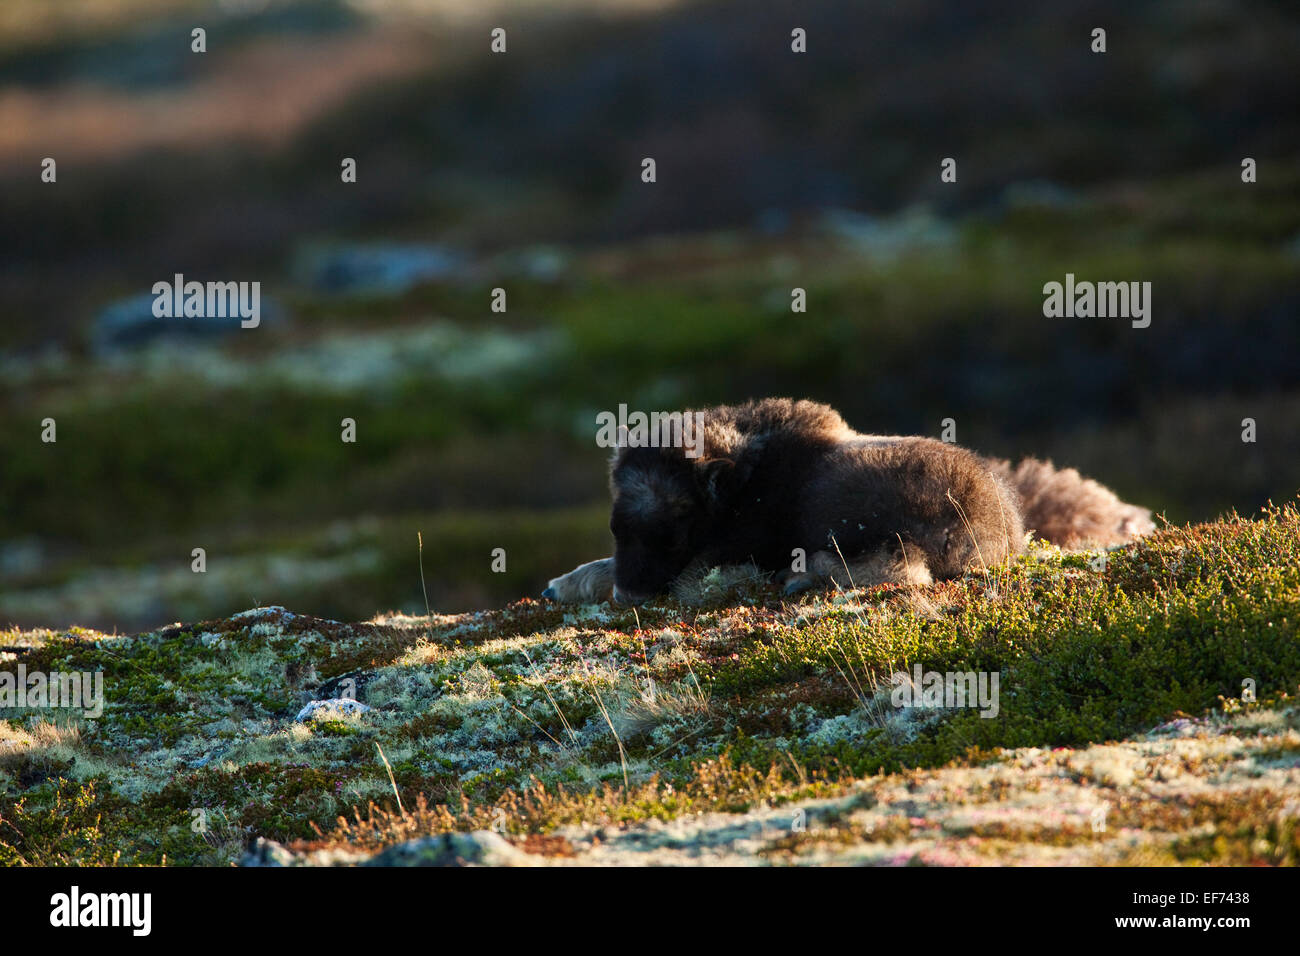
(1069, 510)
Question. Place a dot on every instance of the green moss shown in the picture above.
(336, 728)
(729, 708)
(62, 823)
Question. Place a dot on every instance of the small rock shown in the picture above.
(479, 848)
(266, 852)
(383, 268)
(264, 612)
(1181, 727)
(334, 707)
(130, 323)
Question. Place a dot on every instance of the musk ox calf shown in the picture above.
(789, 487)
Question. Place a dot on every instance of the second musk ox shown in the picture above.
(789, 487)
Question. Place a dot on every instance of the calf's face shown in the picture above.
(657, 520)
(649, 552)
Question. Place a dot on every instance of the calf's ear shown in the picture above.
(715, 477)
(619, 451)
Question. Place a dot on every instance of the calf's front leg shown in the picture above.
(585, 584)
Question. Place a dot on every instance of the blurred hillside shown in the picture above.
(522, 171)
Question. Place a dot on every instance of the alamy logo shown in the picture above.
(213, 300)
(73, 909)
(1103, 300)
(655, 430)
(78, 690)
(935, 689)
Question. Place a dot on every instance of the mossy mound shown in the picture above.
(746, 729)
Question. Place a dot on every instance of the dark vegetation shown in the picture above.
(775, 171)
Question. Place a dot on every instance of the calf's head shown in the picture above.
(664, 514)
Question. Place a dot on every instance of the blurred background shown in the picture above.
(522, 171)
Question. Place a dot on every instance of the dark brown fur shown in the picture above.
(778, 478)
